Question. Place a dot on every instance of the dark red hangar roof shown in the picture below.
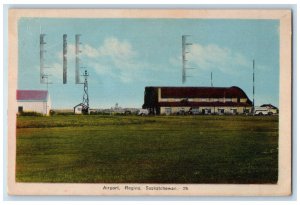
(32, 95)
(202, 92)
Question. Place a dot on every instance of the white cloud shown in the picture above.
(88, 51)
(115, 58)
(55, 73)
(213, 57)
(121, 50)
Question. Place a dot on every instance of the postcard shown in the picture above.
(184, 102)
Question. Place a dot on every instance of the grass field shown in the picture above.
(134, 149)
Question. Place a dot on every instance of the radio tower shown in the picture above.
(42, 58)
(184, 59)
(85, 98)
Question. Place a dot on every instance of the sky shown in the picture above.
(123, 56)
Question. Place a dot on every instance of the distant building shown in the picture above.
(34, 101)
(117, 109)
(201, 100)
(271, 108)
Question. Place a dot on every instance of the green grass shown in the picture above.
(133, 149)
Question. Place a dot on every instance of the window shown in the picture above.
(20, 109)
(221, 111)
(168, 110)
(206, 111)
(194, 108)
(246, 110)
(234, 111)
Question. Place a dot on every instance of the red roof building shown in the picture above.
(33, 101)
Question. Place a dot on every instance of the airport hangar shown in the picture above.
(204, 100)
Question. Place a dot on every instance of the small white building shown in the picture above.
(81, 109)
(271, 108)
(34, 101)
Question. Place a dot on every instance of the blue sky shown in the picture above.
(123, 56)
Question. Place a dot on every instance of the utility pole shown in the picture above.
(253, 81)
(47, 85)
(211, 79)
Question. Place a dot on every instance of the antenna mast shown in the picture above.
(42, 57)
(65, 50)
(184, 59)
(77, 60)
